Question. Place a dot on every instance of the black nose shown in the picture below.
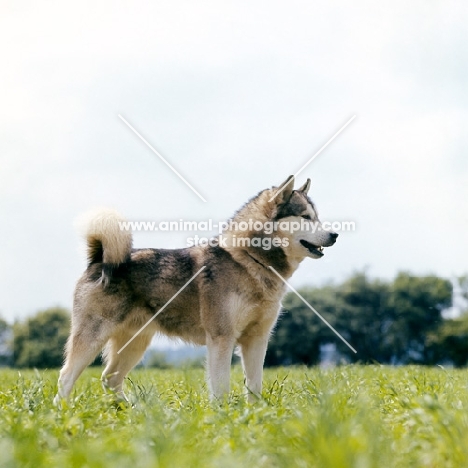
(333, 235)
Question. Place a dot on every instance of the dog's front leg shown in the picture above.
(253, 350)
(219, 358)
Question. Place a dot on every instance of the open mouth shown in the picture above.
(314, 249)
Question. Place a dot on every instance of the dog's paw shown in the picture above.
(59, 401)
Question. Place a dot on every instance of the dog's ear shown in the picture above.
(285, 189)
(305, 188)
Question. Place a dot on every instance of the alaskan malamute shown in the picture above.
(234, 300)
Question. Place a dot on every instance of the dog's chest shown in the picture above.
(247, 310)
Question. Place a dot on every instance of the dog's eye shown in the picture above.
(307, 217)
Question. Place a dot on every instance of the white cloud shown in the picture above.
(237, 96)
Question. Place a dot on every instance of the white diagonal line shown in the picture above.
(161, 309)
(312, 309)
(161, 157)
(315, 155)
(325, 145)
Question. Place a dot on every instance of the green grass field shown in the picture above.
(348, 416)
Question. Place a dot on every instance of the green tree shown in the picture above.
(39, 340)
(357, 309)
(362, 316)
(299, 332)
(387, 322)
(416, 305)
(5, 343)
(463, 282)
(449, 342)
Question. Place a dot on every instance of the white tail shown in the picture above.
(106, 241)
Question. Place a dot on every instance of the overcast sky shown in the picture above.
(236, 96)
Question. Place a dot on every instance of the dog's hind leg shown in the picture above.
(118, 365)
(85, 342)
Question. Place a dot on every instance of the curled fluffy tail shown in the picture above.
(106, 242)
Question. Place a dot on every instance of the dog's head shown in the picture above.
(298, 221)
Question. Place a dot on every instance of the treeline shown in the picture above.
(388, 322)
(37, 341)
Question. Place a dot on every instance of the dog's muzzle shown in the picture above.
(313, 249)
(318, 249)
